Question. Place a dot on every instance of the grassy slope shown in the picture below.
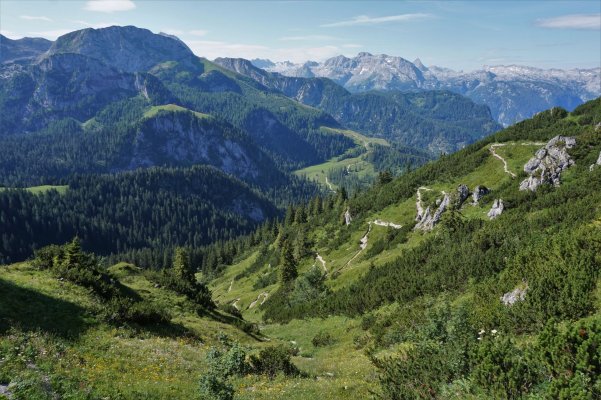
(170, 366)
(490, 173)
(171, 107)
(152, 364)
(45, 188)
(356, 165)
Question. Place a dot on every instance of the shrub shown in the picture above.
(322, 339)
(123, 309)
(273, 360)
(213, 387)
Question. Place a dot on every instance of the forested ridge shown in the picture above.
(158, 207)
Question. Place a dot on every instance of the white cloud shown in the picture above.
(198, 32)
(175, 32)
(34, 18)
(9, 34)
(213, 49)
(573, 21)
(109, 6)
(307, 37)
(96, 25)
(365, 20)
(52, 34)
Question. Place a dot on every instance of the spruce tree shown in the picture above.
(181, 265)
(288, 271)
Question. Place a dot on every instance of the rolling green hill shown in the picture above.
(474, 307)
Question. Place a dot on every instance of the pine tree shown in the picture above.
(73, 254)
(181, 265)
(288, 271)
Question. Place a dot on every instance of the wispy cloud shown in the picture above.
(9, 34)
(198, 32)
(572, 21)
(366, 20)
(109, 6)
(307, 38)
(179, 32)
(52, 34)
(213, 49)
(175, 32)
(35, 18)
(95, 25)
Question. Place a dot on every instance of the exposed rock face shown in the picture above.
(426, 220)
(478, 193)
(597, 163)
(517, 294)
(463, 192)
(429, 219)
(127, 48)
(347, 217)
(497, 209)
(548, 163)
(189, 140)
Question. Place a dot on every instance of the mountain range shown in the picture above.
(512, 92)
(118, 100)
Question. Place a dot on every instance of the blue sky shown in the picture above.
(456, 34)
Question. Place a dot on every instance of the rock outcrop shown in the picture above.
(429, 219)
(597, 163)
(517, 294)
(548, 163)
(347, 217)
(463, 193)
(478, 193)
(497, 209)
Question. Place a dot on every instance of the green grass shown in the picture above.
(154, 110)
(43, 188)
(360, 139)
(356, 166)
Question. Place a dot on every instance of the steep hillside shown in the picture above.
(86, 71)
(450, 276)
(434, 265)
(159, 208)
(437, 121)
(145, 136)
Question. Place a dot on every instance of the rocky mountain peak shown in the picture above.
(127, 48)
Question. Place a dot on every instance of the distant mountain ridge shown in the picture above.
(22, 49)
(512, 92)
(439, 121)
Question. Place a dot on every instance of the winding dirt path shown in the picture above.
(230, 288)
(362, 246)
(235, 303)
(379, 222)
(492, 149)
